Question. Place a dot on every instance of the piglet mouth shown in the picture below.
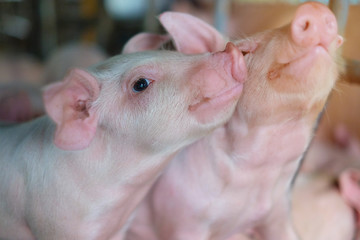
(295, 53)
(299, 65)
(312, 37)
(222, 80)
(298, 60)
(225, 96)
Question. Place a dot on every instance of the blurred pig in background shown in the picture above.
(20, 102)
(22, 68)
(20, 82)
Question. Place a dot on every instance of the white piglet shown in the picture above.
(80, 171)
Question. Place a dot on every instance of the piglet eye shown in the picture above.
(141, 84)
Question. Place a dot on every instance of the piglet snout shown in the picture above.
(221, 72)
(314, 24)
(219, 81)
(228, 68)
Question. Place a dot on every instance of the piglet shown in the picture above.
(238, 179)
(79, 172)
(20, 102)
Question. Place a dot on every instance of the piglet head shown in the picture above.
(293, 69)
(152, 100)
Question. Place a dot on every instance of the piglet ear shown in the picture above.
(144, 42)
(190, 34)
(69, 104)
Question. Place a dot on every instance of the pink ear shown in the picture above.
(192, 35)
(68, 103)
(144, 42)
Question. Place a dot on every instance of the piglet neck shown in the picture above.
(272, 143)
(120, 155)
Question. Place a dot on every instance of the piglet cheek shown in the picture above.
(208, 83)
(217, 83)
(214, 96)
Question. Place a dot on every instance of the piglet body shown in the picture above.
(79, 172)
(238, 178)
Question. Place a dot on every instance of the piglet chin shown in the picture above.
(298, 67)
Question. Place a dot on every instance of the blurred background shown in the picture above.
(38, 27)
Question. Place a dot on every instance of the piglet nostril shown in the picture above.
(313, 24)
(305, 25)
(304, 30)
